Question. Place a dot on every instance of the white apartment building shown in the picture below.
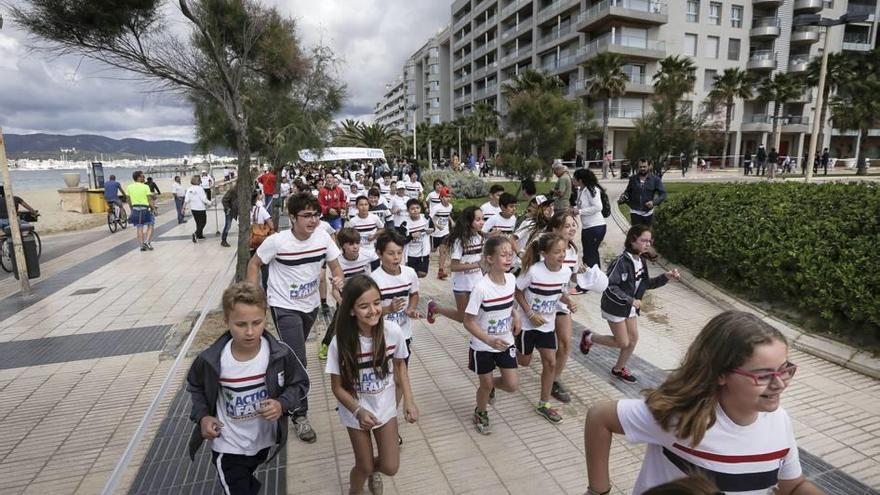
(491, 41)
(391, 110)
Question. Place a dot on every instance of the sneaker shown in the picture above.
(586, 341)
(492, 397)
(481, 422)
(325, 309)
(442, 275)
(194, 239)
(149, 246)
(322, 352)
(624, 374)
(574, 291)
(304, 429)
(432, 311)
(550, 414)
(560, 393)
(374, 484)
(224, 244)
(143, 247)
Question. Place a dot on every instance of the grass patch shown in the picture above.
(543, 187)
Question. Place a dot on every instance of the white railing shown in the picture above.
(624, 41)
(759, 55)
(647, 6)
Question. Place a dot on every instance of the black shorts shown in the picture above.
(408, 350)
(528, 340)
(418, 263)
(482, 362)
(437, 242)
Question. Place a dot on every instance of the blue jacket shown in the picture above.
(637, 194)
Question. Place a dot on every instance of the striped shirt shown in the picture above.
(295, 268)
(542, 290)
(492, 304)
(393, 287)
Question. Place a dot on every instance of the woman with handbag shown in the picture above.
(197, 201)
(261, 228)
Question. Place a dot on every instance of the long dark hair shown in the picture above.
(462, 231)
(540, 222)
(347, 336)
(634, 233)
(588, 179)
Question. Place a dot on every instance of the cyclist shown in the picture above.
(114, 195)
(4, 213)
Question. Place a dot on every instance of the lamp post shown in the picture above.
(414, 107)
(817, 20)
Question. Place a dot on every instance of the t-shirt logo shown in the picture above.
(543, 306)
(304, 290)
(500, 327)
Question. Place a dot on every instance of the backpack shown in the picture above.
(606, 204)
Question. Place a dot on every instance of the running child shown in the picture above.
(538, 215)
(352, 201)
(241, 387)
(467, 248)
(368, 225)
(353, 262)
(366, 356)
(434, 196)
(539, 288)
(414, 188)
(417, 251)
(505, 221)
(398, 203)
(628, 281)
(441, 217)
(379, 208)
(492, 207)
(493, 322)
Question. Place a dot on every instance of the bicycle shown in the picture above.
(6, 252)
(116, 219)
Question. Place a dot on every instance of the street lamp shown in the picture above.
(817, 20)
(414, 107)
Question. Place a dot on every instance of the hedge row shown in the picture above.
(815, 247)
(463, 184)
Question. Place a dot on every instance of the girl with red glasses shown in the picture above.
(718, 415)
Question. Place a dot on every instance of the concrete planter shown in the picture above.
(72, 179)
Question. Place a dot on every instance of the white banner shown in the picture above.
(341, 154)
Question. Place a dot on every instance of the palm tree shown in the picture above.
(531, 80)
(675, 79)
(856, 105)
(354, 133)
(779, 89)
(482, 123)
(839, 70)
(733, 83)
(607, 80)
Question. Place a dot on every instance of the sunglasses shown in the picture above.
(765, 378)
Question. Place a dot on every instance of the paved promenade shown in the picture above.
(82, 360)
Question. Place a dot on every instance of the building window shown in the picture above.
(693, 11)
(733, 49)
(690, 44)
(709, 79)
(736, 16)
(715, 13)
(712, 46)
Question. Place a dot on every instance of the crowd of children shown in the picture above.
(515, 284)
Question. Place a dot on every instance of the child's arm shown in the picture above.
(200, 412)
(458, 266)
(365, 418)
(296, 384)
(401, 377)
(533, 317)
(572, 305)
(471, 325)
(411, 308)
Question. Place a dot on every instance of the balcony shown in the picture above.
(857, 45)
(862, 9)
(488, 23)
(637, 83)
(554, 37)
(808, 6)
(796, 123)
(462, 79)
(627, 46)
(560, 64)
(466, 59)
(486, 70)
(461, 42)
(517, 30)
(798, 63)
(461, 100)
(513, 7)
(485, 92)
(485, 48)
(622, 113)
(457, 25)
(764, 28)
(770, 4)
(757, 122)
(517, 55)
(651, 12)
(805, 35)
(554, 9)
(762, 60)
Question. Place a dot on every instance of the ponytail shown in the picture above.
(541, 244)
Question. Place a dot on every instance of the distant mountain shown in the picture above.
(43, 146)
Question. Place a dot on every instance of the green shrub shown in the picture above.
(463, 184)
(814, 247)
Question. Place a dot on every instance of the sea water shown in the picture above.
(30, 180)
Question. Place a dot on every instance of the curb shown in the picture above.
(815, 345)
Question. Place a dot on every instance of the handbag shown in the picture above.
(259, 231)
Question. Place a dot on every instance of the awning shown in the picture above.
(341, 154)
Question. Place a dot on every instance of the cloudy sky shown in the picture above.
(39, 93)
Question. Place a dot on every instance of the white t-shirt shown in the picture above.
(433, 201)
(366, 227)
(492, 304)
(362, 265)
(374, 394)
(523, 233)
(400, 203)
(384, 188)
(177, 189)
(285, 189)
(542, 290)
(440, 214)
(489, 210)
(504, 225)
(207, 181)
(352, 205)
(749, 458)
(242, 389)
(470, 252)
(396, 287)
(259, 215)
(295, 268)
(414, 189)
(327, 228)
(421, 243)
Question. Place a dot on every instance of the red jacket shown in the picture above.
(268, 182)
(331, 198)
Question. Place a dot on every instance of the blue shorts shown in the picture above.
(336, 223)
(141, 216)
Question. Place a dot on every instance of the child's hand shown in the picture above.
(410, 411)
(270, 410)
(496, 343)
(210, 427)
(397, 305)
(572, 306)
(674, 275)
(338, 282)
(582, 268)
(366, 419)
(413, 313)
(637, 304)
(537, 319)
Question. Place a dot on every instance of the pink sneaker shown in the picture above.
(432, 312)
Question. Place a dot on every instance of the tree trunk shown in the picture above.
(776, 130)
(861, 166)
(244, 188)
(605, 117)
(726, 135)
(822, 113)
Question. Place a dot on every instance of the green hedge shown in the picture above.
(463, 184)
(814, 247)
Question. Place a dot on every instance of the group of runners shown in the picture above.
(515, 282)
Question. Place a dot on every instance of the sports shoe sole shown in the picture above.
(548, 418)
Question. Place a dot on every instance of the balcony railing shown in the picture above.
(648, 6)
(513, 7)
(487, 23)
(485, 91)
(762, 55)
(859, 46)
(521, 51)
(517, 29)
(555, 35)
(765, 22)
(860, 8)
(757, 118)
(799, 59)
(623, 41)
(796, 120)
(558, 63)
(622, 113)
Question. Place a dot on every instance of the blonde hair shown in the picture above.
(243, 293)
(685, 403)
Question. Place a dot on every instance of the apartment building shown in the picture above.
(391, 109)
(492, 41)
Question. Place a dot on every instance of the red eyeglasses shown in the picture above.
(765, 378)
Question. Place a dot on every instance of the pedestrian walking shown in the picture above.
(143, 205)
(628, 280)
(718, 413)
(643, 193)
(197, 201)
(825, 159)
(179, 193)
(747, 163)
(295, 257)
(230, 212)
(773, 160)
(366, 363)
(608, 165)
(589, 207)
(493, 322)
(207, 183)
(761, 160)
(563, 188)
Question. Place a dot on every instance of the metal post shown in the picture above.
(459, 142)
(415, 153)
(817, 110)
(11, 208)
